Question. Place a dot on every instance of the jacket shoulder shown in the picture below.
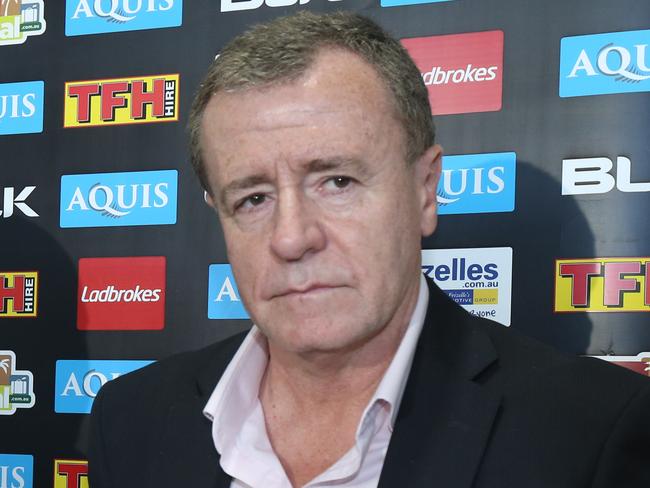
(174, 375)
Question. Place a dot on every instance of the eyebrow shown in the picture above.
(313, 166)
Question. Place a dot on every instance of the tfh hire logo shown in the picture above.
(133, 100)
(602, 285)
(18, 294)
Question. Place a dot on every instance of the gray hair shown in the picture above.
(282, 50)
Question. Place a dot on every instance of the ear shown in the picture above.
(209, 200)
(427, 172)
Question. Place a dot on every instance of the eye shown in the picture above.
(251, 201)
(340, 182)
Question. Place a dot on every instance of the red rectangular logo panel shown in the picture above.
(463, 72)
(121, 293)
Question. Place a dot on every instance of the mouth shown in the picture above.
(310, 290)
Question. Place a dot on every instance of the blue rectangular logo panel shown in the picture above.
(21, 107)
(224, 301)
(598, 64)
(477, 183)
(103, 16)
(16, 470)
(119, 199)
(78, 381)
(396, 3)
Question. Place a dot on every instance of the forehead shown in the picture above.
(340, 102)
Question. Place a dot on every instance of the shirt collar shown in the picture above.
(391, 388)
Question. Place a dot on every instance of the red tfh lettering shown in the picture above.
(73, 473)
(140, 98)
(16, 293)
(580, 274)
(109, 101)
(83, 93)
(615, 284)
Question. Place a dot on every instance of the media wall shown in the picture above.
(111, 259)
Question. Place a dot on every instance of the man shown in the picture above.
(313, 140)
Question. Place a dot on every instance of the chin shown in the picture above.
(331, 335)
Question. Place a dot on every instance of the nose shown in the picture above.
(296, 228)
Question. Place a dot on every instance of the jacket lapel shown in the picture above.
(187, 455)
(446, 415)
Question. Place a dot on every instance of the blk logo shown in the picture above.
(14, 198)
(224, 301)
(463, 72)
(70, 473)
(235, 5)
(589, 176)
(119, 199)
(121, 293)
(477, 183)
(121, 101)
(16, 471)
(395, 3)
(16, 386)
(602, 285)
(20, 19)
(21, 107)
(18, 294)
(78, 381)
(97, 16)
(598, 64)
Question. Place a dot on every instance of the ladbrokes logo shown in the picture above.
(16, 386)
(16, 471)
(18, 294)
(21, 107)
(639, 363)
(463, 72)
(478, 279)
(121, 293)
(78, 381)
(96, 16)
(116, 199)
(20, 19)
(602, 285)
(134, 100)
(70, 473)
(598, 64)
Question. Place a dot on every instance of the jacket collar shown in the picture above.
(446, 415)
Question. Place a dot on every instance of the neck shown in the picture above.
(319, 380)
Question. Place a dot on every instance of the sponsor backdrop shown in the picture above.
(111, 259)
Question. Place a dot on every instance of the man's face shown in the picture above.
(321, 214)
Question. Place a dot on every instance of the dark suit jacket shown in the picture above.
(483, 407)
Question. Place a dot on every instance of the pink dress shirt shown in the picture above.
(239, 430)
